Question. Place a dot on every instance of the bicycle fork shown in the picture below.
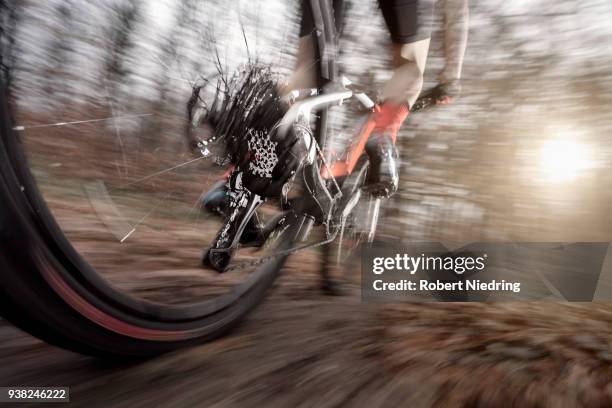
(373, 214)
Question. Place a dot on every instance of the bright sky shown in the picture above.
(161, 12)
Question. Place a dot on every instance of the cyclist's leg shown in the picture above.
(455, 14)
(407, 81)
(456, 17)
(409, 25)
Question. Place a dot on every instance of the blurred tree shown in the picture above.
(10, 12)
(186, 20)
(121, 24)
(57, 55)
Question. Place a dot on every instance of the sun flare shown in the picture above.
(564, 160)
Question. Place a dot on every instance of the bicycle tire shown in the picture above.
(49, 291)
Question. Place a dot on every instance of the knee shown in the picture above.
(413, 70)
(412, 74)
(411, 53)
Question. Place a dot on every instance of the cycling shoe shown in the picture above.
(383, 174)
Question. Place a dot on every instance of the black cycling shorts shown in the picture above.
(407, 20)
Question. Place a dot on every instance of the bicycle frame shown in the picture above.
(300, 114)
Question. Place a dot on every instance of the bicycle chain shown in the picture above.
(287, 252)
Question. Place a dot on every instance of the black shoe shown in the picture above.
(383, 174)
(332, 288)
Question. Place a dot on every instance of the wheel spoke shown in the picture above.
(157, 173)
(78, 122)
(144, 217)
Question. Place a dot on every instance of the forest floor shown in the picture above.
(301, 348)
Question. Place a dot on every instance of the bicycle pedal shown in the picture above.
(217, 260)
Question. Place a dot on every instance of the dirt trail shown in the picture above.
(303, 349)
